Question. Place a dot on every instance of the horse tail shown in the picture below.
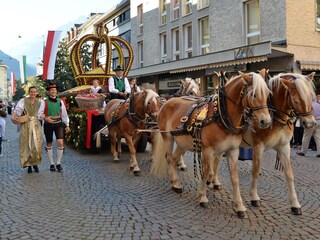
(97, 136)
(159, 165)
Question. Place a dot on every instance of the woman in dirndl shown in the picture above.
(30, 129)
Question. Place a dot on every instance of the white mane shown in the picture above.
(150, 95)
(304, 86)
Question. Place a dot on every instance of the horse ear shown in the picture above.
(185, 83)
(287, 83)
(311, 75)
(246, 77)
(263, 73)
(215, 77)
(145, 92)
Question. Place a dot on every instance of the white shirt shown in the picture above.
(94, 89)
(19, 108)
(112, 88)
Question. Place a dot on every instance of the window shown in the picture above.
(318, 15)
(163, 8)
(204, 35)
(203, 4)
(126, 36)
(140, 54)
(188, 40)
(186, 7)
(252, 19)
(140, 19)
(163, 45)
(176, 9)
(175, 46)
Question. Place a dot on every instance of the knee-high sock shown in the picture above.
(49, 152)
(59, 155)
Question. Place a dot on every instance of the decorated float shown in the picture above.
(85, 109)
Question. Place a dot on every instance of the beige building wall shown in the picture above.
(3, 82)
(303, 40)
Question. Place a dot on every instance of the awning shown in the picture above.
(249, 54)
(310, 65)
(240, 61)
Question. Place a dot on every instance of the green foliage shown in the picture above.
(78, 127)
(86, 56)
(71, 102)
(64, 78)
(39, 84)
(19, 92)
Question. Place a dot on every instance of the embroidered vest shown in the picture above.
(119, 83)
(31, 109)
(52, 108)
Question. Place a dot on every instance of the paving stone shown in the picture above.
(93, 198)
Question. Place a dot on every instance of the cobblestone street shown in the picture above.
(94, 198)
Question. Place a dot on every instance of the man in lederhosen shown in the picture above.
(56, 121)
(119, 86)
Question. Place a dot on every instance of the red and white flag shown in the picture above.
(13, 83)
(50, 54)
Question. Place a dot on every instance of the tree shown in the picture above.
(64, 77)
(19, 92)
(86, 56)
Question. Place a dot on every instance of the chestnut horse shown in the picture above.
(292, 96)
(245, 96)
(124, 117)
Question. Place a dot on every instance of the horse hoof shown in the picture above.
(208, 183)
(177, 190)
(296, 211)
(131, 168)
(241, 214)
(116, 160)
(203, 204)
(217, 187)
(136, 173)
(255, 203)
(183, 169)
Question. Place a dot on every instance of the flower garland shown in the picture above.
(77, 124)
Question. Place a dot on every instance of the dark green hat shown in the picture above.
(118, 68)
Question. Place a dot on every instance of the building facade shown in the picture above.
(3, 82)
(175, 39)
(193, 38)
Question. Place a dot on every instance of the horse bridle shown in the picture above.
(293, 111)
(247, 109)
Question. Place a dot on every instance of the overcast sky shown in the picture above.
(31, 19)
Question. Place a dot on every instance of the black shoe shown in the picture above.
(52, 168)
(59, 167)
(29, 169)
(36, 169)
(300, 154)
(318, 156)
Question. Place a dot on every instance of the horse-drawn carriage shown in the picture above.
(92, 108)
(238, 114)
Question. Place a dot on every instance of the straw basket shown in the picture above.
(23, 119)
(90, 103)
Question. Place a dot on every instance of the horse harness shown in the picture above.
(132, 116)
(200, 119)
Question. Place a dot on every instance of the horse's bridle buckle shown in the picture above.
(184, 119)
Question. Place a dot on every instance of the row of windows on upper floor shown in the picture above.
(186, 6)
